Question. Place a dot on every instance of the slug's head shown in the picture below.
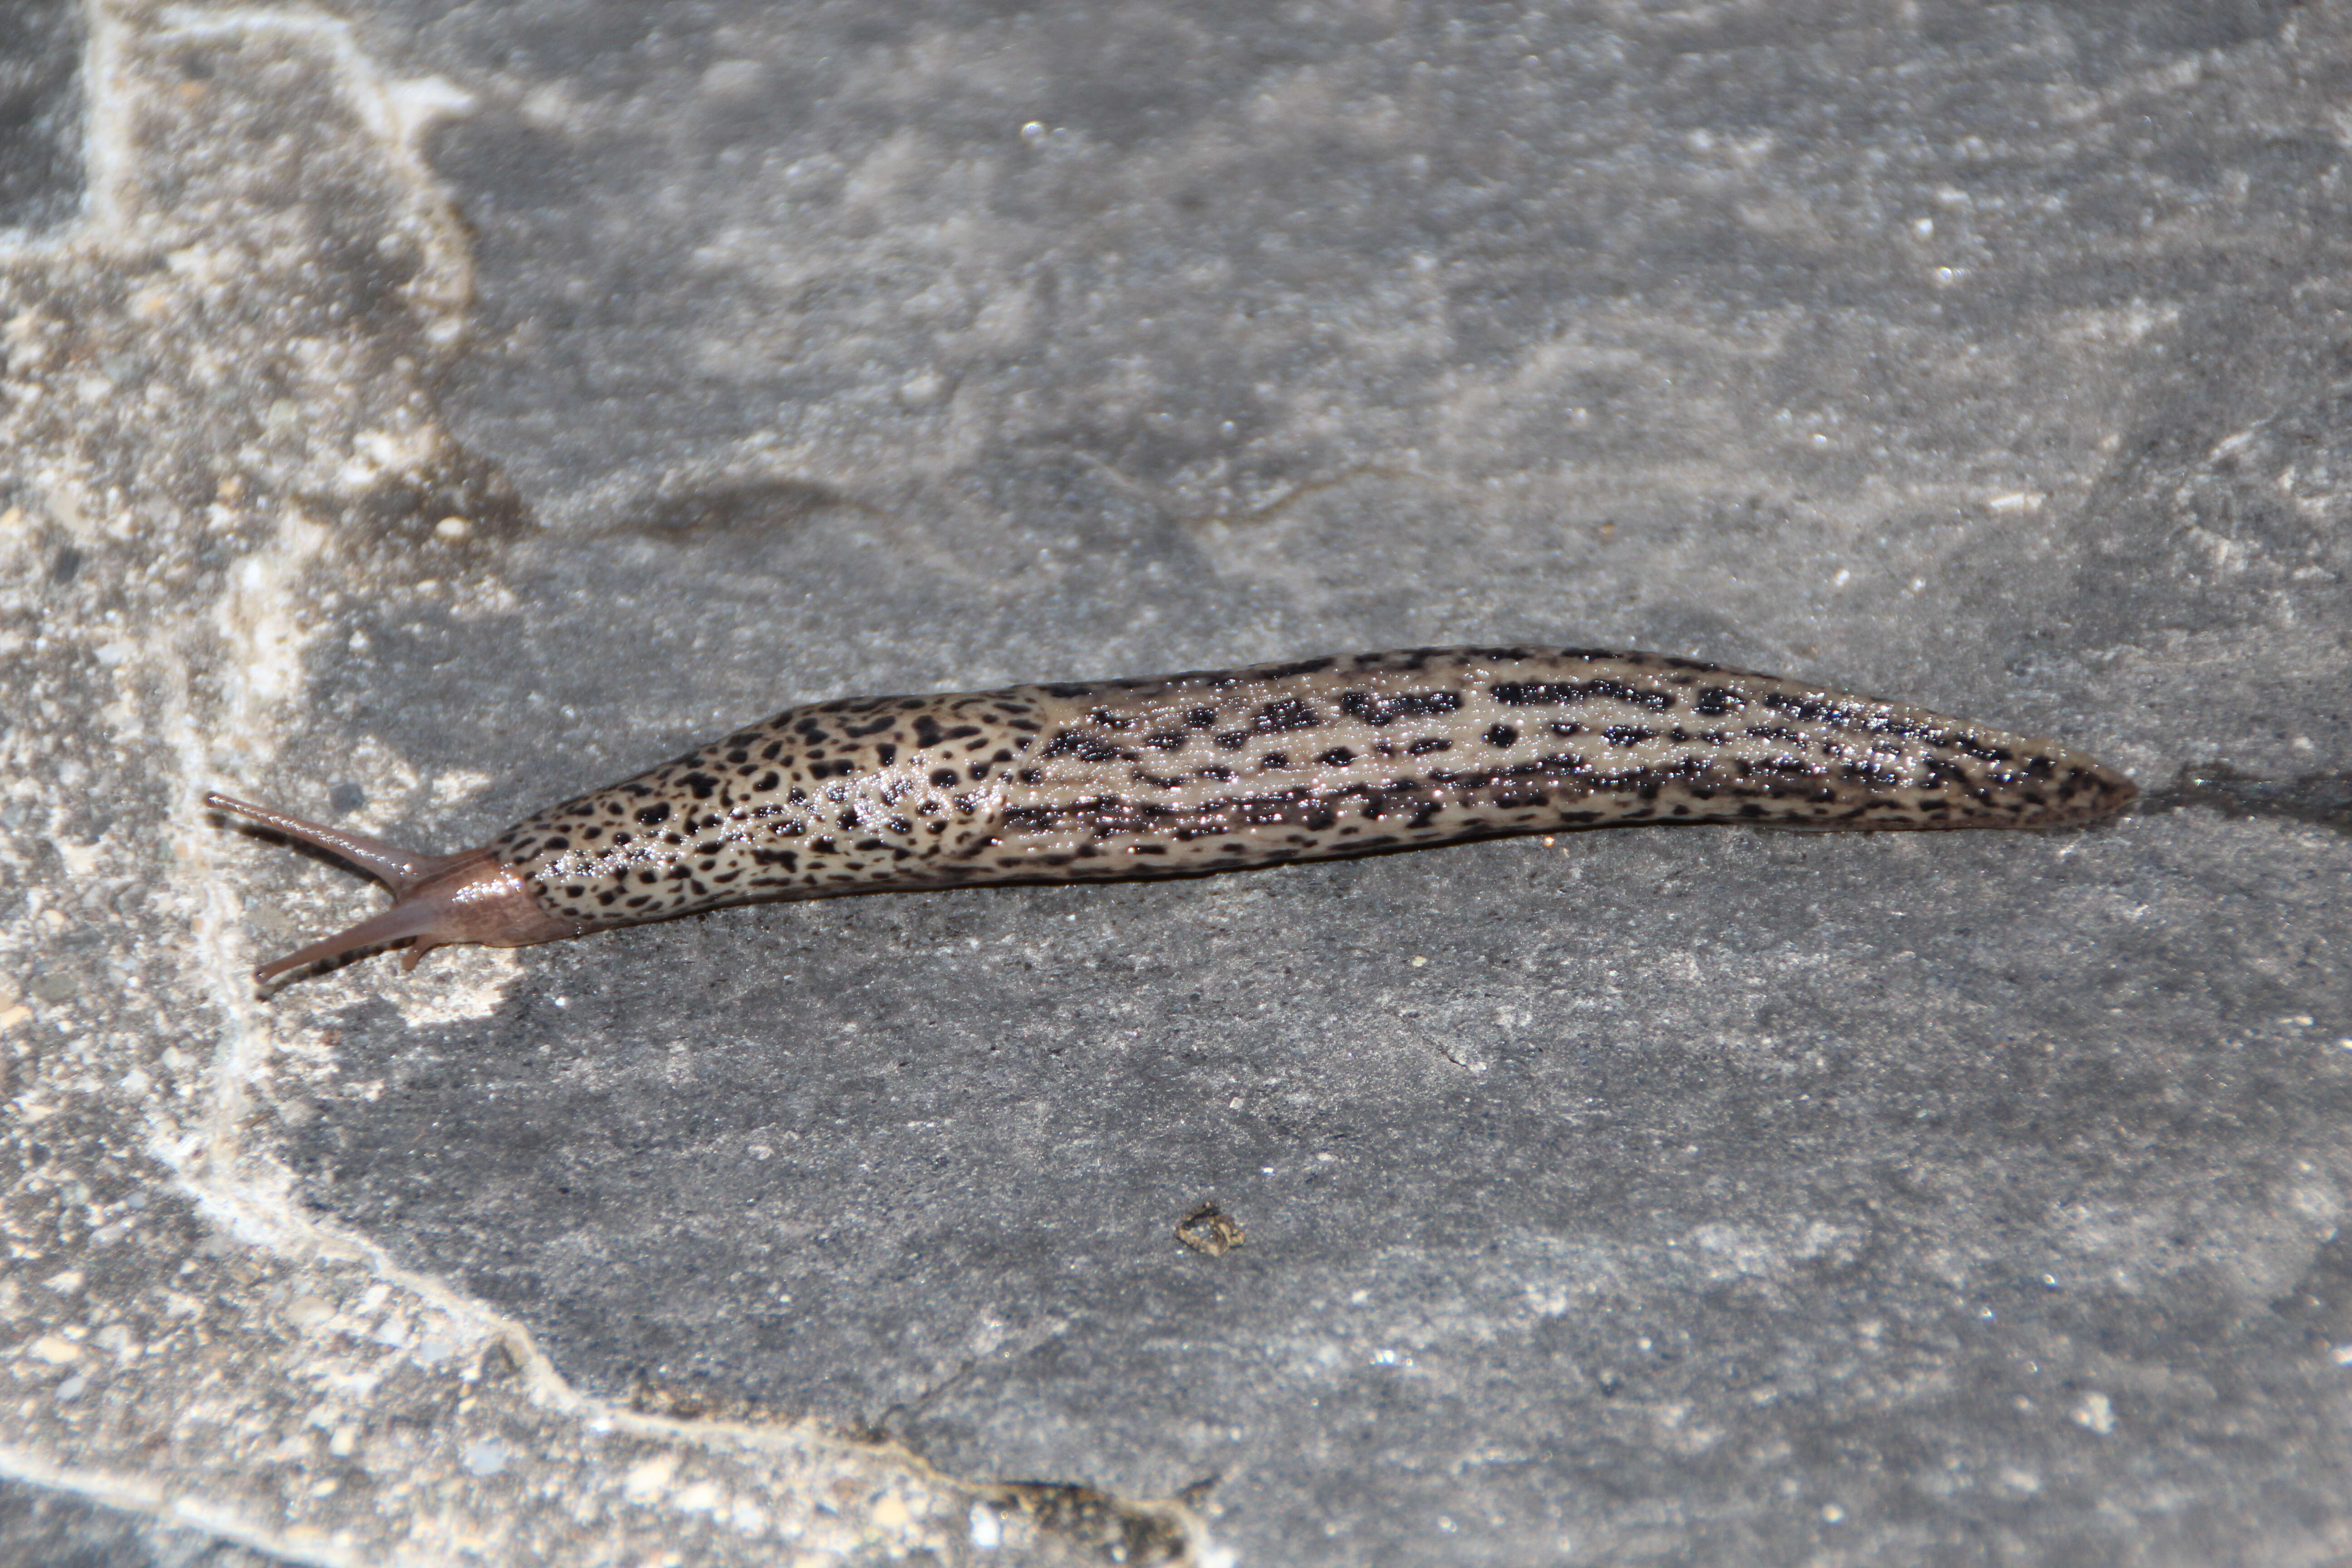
(437, 899)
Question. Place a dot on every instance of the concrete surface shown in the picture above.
(415, 418)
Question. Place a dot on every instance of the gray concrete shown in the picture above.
(479, 404)
(41, 107)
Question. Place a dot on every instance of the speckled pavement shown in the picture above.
(417, 413)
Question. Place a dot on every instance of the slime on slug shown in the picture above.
(1212, 770)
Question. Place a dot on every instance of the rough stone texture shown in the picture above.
(439, 416)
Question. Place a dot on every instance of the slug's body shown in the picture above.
(1208, 772)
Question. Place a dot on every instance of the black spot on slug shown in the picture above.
(1386, 708)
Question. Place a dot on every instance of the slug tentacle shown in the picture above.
(437, 899)
(1213, 771)
(399, 869)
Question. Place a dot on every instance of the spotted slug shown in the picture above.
(1214, 771)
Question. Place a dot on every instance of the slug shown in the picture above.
(1213, 771)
